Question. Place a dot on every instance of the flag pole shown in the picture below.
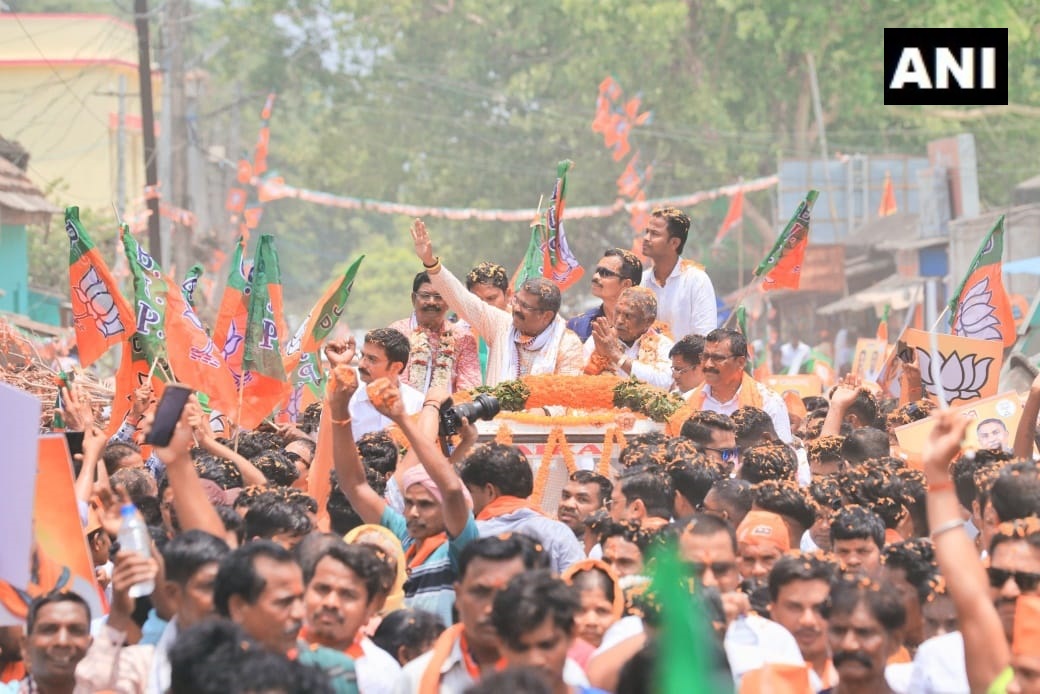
(241, 390)
(935, 370)
(939, 319)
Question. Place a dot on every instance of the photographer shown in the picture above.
(437, 522)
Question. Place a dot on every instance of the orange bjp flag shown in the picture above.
(980, 307)
(888, 198)
(101, 316)
(193, 356)
(734, 216)
(783, 266)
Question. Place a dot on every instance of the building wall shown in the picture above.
(14, 269)
(59, 102)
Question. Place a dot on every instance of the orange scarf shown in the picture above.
(354, 650)
(442, 647)
(747, 396)
(421, 551)
(505, 504)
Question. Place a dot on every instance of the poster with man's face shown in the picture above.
(993, 424)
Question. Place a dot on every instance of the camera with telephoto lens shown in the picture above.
(484, 407)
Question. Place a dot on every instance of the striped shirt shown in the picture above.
(430, 586)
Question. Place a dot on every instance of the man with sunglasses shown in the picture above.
(715, 435)
(630, 346)
(529, 338)
(441, 353)
(616, 271)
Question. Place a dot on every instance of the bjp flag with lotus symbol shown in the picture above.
(968, 370)
(100, 314)
(980, 307)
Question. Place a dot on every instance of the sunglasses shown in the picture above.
(727, 454)
(1026, 581)
(719, 568)
(705, 356)
(527, 307)
(604, 272)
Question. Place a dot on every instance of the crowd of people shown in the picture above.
(817, 558)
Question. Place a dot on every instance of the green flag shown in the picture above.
(686, 649)
(302, 361)
(191, 283)
(264, 383)
(149, 303)
(532, 263)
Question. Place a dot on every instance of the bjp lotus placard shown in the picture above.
(968, 369)
(993, 424)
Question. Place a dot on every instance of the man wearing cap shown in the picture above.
(762, 538)
(437, 521)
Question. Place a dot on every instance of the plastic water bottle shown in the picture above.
(134, 537)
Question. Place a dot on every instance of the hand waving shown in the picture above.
(423, 245)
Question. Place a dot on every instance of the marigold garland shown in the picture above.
(594, 419)
(612, 436)
(597, 364)
(648, 344)
(556, 440)
(578, 392)
(504, 435)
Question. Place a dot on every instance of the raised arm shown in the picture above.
(94, 441)
(335, 422)
(386, 397)
(482, 318)
(841, 399)
(1025, 434)
(986, 651)
(194, 511)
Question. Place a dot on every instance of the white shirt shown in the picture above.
(686, 300)
(365, 418)
(939, 666)
(658, 374)
(772, 404)
(159, 679)
(775, 646)
(377, 670)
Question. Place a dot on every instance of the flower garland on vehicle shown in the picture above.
(419, 358)
(504, 435)
(592, 419)
(575, 392)
(612, 436)
(555, 443)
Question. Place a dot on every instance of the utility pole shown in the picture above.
(121, 149)
(180, 234)
(144, 75)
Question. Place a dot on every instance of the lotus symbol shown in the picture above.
(962, 377)
(976, 316)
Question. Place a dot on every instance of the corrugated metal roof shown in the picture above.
(18, 194)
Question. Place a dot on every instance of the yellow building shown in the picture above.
(59, 80)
